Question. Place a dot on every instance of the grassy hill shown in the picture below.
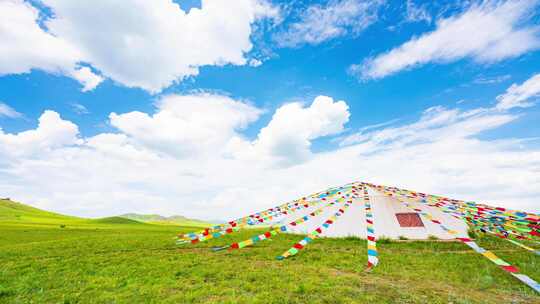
(11, 211)
(117, 260)
(17, 213)
(117, 220)
(164, 220)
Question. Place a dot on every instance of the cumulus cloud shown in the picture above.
(287, 138)
(87, 78)
(189, 124)
(320, 23)
(443, 152)
(520, 96)
(149, 45)
(52, 132)
(8, 111)
(152, 44)
(26, 46)
(487, 33)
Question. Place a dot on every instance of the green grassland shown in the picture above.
(51, 258)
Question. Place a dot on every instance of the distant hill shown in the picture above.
(164, 220)
(17, 213)
(117, 220)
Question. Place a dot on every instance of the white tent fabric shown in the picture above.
(353, 223)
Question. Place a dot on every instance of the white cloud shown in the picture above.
(319, 23)
(87, 78)
(190, 124)
(153, 44)
(149, 45)
(492, 80)
(442, 153)
(52, 132)
(8, 111)
(520, 96)
(416, 13)
(79, 108)
(436, 123)
(287, 138)
(255, 62)
(487, 33)
(26, 46)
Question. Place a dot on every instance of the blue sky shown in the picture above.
(453, 81)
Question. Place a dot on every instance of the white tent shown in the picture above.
(392, 220)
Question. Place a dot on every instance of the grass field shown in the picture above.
(50, 258)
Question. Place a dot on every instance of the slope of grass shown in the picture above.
(96, 262)
(16, 212)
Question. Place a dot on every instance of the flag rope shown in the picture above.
(283, 228)
(372, 253)
(314, 234)
(207, 234)
(537, 252)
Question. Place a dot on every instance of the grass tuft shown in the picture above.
(384, 240)
(472, 233)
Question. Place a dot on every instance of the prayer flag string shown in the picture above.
(314, 234)
(236, 225)
(282, 228)
(372, 253)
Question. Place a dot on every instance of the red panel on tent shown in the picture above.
(409, 220)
